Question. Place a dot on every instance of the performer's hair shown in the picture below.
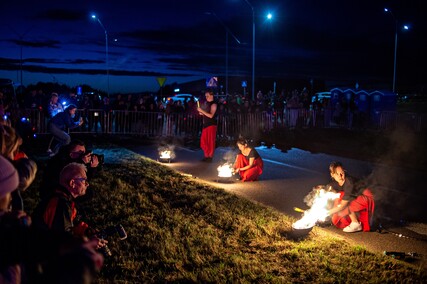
(243, 141)
(334, 165)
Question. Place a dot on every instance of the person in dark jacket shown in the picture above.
(60, 123)
(58, 212)
(74, 152)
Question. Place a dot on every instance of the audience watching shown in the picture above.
(58, 213)
(54, 107)
(74, 152)
(10, 142)
(32, 255)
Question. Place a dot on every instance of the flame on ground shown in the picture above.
(318, 211)
(225, 170)
(166, 154)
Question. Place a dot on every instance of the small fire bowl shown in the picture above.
(225, 179)
(300, 232)
(164, 160)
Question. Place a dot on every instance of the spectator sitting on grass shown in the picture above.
(10, 143)
(22, 247)
(58, 213)
(73, 152)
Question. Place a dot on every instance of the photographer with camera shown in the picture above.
(58, 213)
(33, 255)
(74, 152)
(60, 123)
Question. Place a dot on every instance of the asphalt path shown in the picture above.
(400, 223)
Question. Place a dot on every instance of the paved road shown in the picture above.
(289, 176)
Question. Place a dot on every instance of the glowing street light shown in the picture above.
(106, 52)
(405, 27)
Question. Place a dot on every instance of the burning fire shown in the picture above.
(318, 210)
(166, 154)
(225, 170)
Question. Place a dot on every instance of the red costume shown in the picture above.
(208, 137)
(254, 172)
(207, 140)
(363, 205)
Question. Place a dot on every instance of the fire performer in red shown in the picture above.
(352, 211)
(248, 162)
(208, 137)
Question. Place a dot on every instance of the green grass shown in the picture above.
(182, 230)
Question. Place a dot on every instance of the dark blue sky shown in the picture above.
(336, 41)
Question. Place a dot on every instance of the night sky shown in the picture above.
(340, 42)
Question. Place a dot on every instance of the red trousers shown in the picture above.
(207, 140)
(363, 206)
(251, 174)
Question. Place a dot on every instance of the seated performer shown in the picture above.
(352, 211)
(248, 162)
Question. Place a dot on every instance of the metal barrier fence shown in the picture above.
(230, 126)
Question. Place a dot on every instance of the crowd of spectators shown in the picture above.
(30, 252)
(121, 113)
(235, 102)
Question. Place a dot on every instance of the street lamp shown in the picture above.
(227, 31)
(405, 27)
(106, 53)
(253, 49)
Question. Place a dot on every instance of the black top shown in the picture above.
(206, 120)
(252, 154)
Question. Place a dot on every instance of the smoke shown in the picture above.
(395, 182)
(311, 196)
(229, 157)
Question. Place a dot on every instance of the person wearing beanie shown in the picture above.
(22, 244)
(9, 181)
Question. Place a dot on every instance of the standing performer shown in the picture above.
(248, 162)
(354, 209)
(208, 137)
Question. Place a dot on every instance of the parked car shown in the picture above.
(181, 97)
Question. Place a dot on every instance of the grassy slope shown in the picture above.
(181, 230)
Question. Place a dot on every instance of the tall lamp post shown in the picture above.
(227, 31)
(395, 46)
(106, 53)
(253, 49)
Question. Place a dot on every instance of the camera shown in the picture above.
(108, 232)
(99, 156)
(112, 230)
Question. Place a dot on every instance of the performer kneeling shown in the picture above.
(248, 162)
(352, 211)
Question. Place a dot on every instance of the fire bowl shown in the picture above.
(225, 179)
(164, 160)
(300, 232)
